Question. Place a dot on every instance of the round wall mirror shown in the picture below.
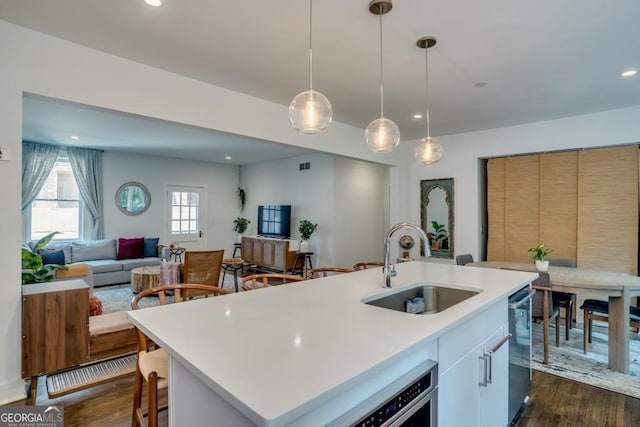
(133, 198)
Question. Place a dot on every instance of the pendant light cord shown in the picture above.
(381, 70)
(426, 60)
(310, 44)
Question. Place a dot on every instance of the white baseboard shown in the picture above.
(11, 391)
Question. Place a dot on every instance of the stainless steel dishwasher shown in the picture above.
(519, 351)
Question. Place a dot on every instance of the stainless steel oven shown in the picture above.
(413, 405)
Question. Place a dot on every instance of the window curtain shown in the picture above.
(37, 163)
(87, 169)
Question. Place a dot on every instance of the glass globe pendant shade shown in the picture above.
(428, 151)
(310, 112)
(382, 135)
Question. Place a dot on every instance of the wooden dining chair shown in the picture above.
(594, 309)
(263, 280)
(567, 300)
(152, 366)
(203, 267)
(364, 265)
(315, 273)
(543, 309)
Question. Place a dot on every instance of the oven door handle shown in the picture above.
(487, 358)
(414, 407)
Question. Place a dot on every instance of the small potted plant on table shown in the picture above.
(306, 229)
(538, 254)
(240, 225)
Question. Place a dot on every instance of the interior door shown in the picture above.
(186, 216)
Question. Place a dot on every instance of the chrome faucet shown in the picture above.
(389, 268)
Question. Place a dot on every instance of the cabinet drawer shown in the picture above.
(459, 341)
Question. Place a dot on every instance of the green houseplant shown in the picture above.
(306, 229)
(439, 233)
(240, 225)
(33, 270)
(538, 255)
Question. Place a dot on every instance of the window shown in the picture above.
(184, 212)
(57, 206)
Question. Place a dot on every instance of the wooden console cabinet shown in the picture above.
(268, 253)
(55, 326)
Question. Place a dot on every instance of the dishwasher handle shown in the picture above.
(516, 304)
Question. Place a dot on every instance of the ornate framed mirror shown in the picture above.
(436, 215)
(133, 198)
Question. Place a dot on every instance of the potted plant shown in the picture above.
(306, 229)
(240, 225)
(439, 233)
(538, 254)
(33, 270)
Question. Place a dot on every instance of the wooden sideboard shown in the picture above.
(268, 253)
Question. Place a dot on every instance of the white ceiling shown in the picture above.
(541, 60)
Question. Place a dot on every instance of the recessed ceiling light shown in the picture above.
(629, 73)
(155, 3)
(227, 157)
(75, 137)
(417, 116)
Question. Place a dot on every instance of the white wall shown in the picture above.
(219, 180)
(309, 192)
(462, 152)
(43, 65)
(347, 198)
(361, 211)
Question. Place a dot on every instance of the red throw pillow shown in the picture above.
(131, 248)
(95, 306)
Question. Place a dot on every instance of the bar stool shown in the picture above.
(303, 259)
(231, 265)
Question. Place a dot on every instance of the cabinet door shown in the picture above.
(55, 330)
(458, 397)
(494, 370)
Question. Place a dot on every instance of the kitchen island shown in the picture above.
(307, 353)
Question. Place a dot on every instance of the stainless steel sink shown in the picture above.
(436, 298)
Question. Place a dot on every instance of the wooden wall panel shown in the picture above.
(495, 208)
(608, 209)
(521, 207)
(559, 203)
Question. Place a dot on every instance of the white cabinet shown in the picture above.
(473, 383)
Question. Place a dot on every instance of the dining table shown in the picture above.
(617, 287)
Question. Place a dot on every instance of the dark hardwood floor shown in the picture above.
(555, 401)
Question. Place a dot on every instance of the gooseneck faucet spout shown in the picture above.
(389, 268)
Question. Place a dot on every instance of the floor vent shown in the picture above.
(90, 375)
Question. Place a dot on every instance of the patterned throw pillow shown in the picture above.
(131, 248)
(95, 306)
(53, 257)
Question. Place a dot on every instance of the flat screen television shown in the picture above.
(274, 221)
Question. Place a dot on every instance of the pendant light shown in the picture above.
(310, 112)
(382, 135)
(428, 151)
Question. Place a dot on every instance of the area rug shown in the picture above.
(569, 360)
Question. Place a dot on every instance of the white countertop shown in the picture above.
(278, 352)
